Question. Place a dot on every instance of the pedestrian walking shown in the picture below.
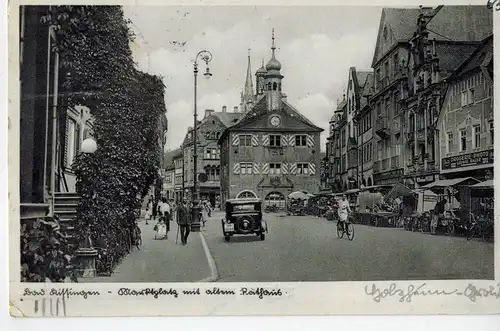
(149, 210)
(184, 221)
(438, 212)
(165, 212)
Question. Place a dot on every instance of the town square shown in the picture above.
(203, 144)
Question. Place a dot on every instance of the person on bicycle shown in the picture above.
(343, 211)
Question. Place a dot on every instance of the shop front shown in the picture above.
(478, 165)
(388, 177)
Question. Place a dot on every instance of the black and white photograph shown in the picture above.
(162, 144)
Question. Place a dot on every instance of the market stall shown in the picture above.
(381, 205)
(455, 195)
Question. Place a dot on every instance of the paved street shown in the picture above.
(161, 260)
(307, 249)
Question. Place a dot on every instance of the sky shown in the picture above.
(315, 45)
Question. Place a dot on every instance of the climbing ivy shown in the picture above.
(98, 71)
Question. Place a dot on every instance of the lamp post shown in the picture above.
(206, 56)
(86, 255)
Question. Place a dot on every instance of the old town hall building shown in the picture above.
(272, 150)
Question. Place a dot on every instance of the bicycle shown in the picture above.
(348, 229)
(480, 228)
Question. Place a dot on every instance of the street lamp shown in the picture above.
(206, 56)
(86, 254)
(89, 146)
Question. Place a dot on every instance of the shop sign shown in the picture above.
(430, 198)
(386, 176)
(467, 160)
(424, 179)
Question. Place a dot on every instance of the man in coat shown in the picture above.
(184, 221)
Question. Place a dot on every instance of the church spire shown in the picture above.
(248, 82)
(247, 97)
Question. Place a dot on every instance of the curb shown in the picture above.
(211, 263)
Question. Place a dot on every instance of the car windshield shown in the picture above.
(244, 207)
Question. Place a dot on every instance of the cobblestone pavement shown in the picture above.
(306, 248)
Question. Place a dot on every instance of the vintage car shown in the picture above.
(243, 216)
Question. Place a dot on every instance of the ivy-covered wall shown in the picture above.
(98, 71)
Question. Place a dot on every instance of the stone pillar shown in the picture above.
(86, 259)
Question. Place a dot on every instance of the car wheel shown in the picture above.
(262, 236)
(227, 238)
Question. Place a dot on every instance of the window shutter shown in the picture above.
(236, 169)
(312, 168)
(292, 168)
(284, 140)
(265, 140)
(256, 168)
(310, 141)
(291, 141)
(265, 168)
(65, 147)
(236, 139)
(255, 140)
(284, 168)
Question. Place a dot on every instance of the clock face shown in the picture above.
(275, 121)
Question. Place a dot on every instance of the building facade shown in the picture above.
(465, 123)
(209, 130)
(390, 57)
(272, 150)
(432, 60)
(169, 173)
(178, 160)
(416, 50)
(363, 120)
(350, 141)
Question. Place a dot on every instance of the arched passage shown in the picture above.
(246, 194)
(275, 198)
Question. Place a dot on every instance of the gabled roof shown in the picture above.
(361, 77)
(260, 109)
(228, 119)
(451, 55)
(481, 57)
(401, 23)
(461, 23)
(168, 157)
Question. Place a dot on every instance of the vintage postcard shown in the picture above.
(252, 159)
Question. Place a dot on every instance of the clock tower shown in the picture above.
(273, 79)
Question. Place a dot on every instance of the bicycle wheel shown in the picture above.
(471, 232)
(340, 230)
(350, 231)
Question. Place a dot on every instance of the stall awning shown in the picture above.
(399, 190)
(443, 183)
(351, 191)
(488, 184)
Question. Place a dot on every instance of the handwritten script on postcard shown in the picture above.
(259, 292)
(407, 294)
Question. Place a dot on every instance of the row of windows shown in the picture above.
(468, 83)
(275, 140)
(213, 173)
(367, 152)
(246, 168)
(212, 153)
(476, 138)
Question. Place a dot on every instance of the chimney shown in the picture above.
(235, 109)
(208, 112)
(224, 109)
